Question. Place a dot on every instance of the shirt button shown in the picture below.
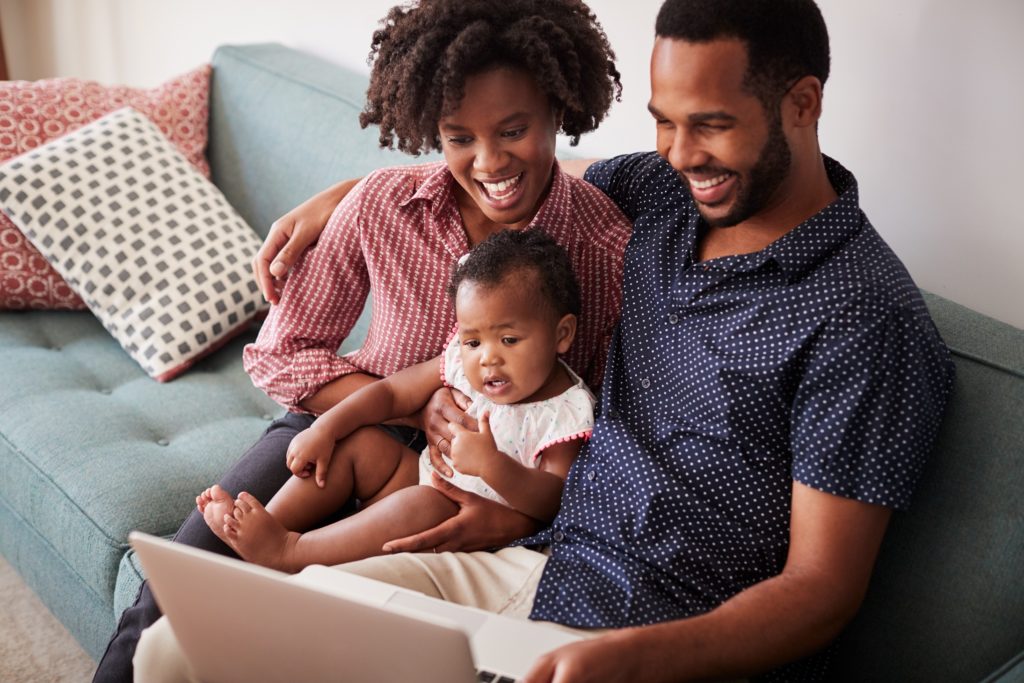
(558, 536)
(645, 383)
(673, 318)
(591, 475)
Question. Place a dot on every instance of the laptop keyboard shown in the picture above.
(490, 677)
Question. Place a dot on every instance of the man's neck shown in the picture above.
(804, 194)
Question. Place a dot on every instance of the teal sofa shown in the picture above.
(91, 448)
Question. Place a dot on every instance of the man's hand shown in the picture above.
(605, 659)
(480, 524)
(290, 235)
(310, 452)
(446, 406)
(471, 452)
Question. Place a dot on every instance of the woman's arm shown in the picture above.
(296, 352)
(479, 524)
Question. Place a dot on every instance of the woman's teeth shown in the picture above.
(503, 188)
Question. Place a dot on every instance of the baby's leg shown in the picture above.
(367, 465)
(260, 538)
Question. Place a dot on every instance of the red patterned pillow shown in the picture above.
(32, 113)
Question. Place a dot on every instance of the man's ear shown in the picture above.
(802, 104)
(565, 332)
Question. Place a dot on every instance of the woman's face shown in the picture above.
(500, 146)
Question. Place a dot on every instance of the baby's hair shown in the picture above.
(509, 251)
(424, 51)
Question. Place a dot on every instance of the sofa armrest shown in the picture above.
(1011, 672)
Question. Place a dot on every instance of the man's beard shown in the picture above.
(762, 181)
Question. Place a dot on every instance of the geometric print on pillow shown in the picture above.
(152, 246)
(35, 112)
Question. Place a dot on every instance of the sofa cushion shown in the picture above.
(91, 448)
(150, 244)
(31, 113)
(946, 601)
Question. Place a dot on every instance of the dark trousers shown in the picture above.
(261, 472)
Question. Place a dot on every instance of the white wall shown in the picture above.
(925, 103)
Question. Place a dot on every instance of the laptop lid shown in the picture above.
(240, 622)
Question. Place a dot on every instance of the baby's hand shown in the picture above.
(310, 452)
(473, 452)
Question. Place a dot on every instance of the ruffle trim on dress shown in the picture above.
(448, 342)
(584, 434)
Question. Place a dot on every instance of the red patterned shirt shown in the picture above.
(397, 236)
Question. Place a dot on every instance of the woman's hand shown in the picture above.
(446, 406)
(480, 524)
(310, 452)
(290, 235)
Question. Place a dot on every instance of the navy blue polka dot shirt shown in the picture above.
(812, 360)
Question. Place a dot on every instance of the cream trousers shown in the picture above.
(504, 582)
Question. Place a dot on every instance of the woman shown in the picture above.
(489, 83)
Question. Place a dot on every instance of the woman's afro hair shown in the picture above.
(424, 51)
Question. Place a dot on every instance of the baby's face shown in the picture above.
(509, 344)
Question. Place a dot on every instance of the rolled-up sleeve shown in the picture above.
(295, 354)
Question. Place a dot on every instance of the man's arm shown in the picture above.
(833, 545)
(291, 234)
(294, 232)
(576, 167)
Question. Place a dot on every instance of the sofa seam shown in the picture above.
(46, 542)
(1005, 668)
(15, 449)
(986, 362)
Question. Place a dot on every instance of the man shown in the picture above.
(772, 392)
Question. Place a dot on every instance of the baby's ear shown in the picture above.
(565, 332)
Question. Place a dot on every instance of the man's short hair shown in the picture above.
(786, 39)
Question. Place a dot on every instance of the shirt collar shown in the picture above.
(808, 244)
(805, 246)
(438, 190)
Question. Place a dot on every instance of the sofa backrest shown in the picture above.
(258, 91)
(946, 602)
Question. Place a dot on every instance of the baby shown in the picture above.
(516, 303)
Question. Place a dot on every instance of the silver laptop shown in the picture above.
(240, 622)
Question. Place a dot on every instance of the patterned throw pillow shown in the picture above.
(152, 246)
(34, 112)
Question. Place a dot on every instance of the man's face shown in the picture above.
(725, 146)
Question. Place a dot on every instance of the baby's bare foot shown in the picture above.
(214, 503)
(258, 537)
